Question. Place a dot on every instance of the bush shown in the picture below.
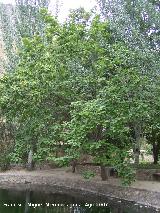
(88, 174)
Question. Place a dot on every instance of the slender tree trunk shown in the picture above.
(104, 174)
(30, 160)
(156, 149)
(33, 149)
(137, 130)
(136, 156)
(74, 163)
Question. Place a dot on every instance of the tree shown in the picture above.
(137, 24)
(78, 89)
(21, 20)
(33, 93)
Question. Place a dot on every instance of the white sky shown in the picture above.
(66, 5)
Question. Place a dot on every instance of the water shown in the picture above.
(14, 201)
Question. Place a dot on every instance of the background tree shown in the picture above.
(19, 21)
(137, 24)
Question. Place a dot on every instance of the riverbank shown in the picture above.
(142, 192)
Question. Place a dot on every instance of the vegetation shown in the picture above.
(81, 88)
(137, 24)
(88, 174)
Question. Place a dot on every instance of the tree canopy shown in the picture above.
(80, 88)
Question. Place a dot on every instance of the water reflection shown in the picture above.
(28, 200)
(41, 202)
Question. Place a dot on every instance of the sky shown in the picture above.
(66, 5)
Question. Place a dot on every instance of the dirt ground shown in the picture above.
(65, 173)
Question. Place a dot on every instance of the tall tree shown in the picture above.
(79, 89)
(19, 21)
(71, 88)
(137, 24)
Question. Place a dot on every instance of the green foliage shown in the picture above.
(19, 21)
(77, 89)
(88, 174)
(136, 23)
(146, 165)
(6, 143)
(4, 163)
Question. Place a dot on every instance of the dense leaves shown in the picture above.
(79, 90)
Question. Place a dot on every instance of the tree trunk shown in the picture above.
(137, 131)
(136, 157)
(73, 164)
(30, 160)
(156, 148)
(104, 174)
